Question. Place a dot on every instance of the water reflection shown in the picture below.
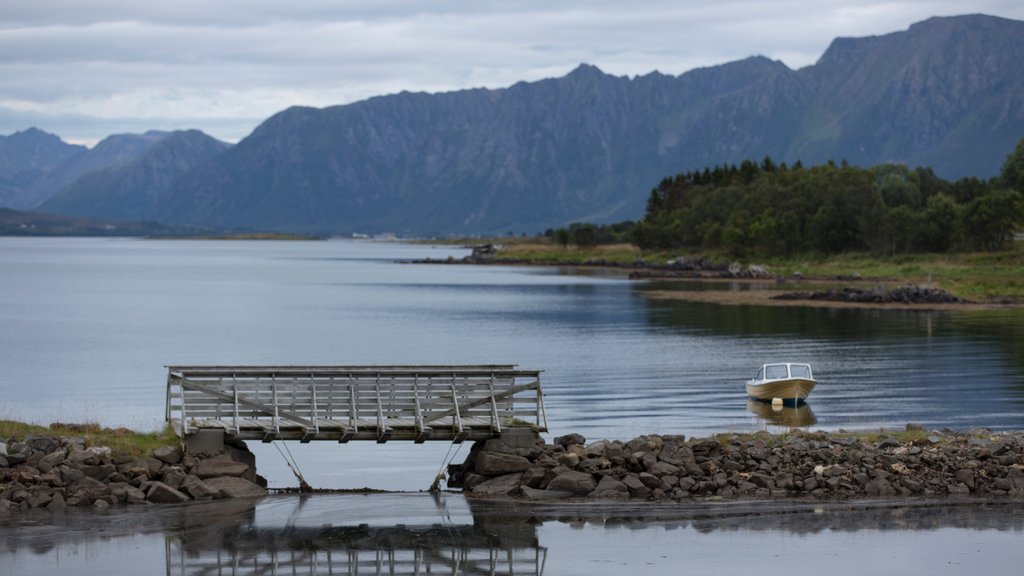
(781, 415)
(416, 533)
(282, 542)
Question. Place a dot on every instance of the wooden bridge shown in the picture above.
(342, 403)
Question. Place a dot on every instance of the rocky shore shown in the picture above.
(802, 465)
(908, 294)
(54, 473)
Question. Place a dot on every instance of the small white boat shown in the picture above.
(782, 383)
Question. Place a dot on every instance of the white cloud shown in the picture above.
(81, 68)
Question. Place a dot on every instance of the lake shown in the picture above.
(87, 326)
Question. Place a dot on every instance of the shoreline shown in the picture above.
(751, 275)
(797, 466)
(765, 298)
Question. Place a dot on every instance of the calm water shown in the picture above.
(86, 326)
(417, 534)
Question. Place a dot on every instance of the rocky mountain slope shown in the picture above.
(132, 190)
(947, 93)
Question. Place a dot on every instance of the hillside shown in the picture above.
(589, 146)
(946, 93)
(131, 190)
(28, 156)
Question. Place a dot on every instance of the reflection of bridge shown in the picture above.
(252, 547)
(356, 550)
(342, 403)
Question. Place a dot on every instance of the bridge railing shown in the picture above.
(355, 402)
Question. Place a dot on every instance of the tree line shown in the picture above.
(774, 209)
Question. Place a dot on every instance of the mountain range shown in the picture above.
(947, 93)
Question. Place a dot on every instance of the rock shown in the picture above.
(168, 454)
(651, 481)
(500, 486)
(222, 465)
(173, 476)
(609, 487)
(57, 504)
(958, 490)
(198, 489)
(569, 460)
(134, 496)
(3, 462)
(965, 477)
(101, 505)
(636, 488)
(44, 444)
(533, 476)
(100, 473)
(498, 464)
(92, 486)
(534, 494)
(520, 439)
(663, 469)
(578, 483)
(147, 465)
(597, 449)
(233, 487)
(70, 475)
(879, 487)
(161, 493)
(92, 456)
(569, 440)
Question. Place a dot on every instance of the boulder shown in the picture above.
(500, 486)
(44, 444)
(168, 454)
(100, 473)
(134, 496)
(198, 489)
(609, 487)
(534, 494)
(234, 487)
(57, 503)
(92, 486)
(92, 456)
(222, 465)
(533, 476)
(578, 483)
(173, 476)
(879, 487)
(499, 464)
(161, 493)
(569, 440)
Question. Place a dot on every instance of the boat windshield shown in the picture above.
(775, 371)
(800, 371)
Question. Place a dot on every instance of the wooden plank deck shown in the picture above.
(344, 403)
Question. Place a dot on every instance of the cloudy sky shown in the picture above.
(84, 69)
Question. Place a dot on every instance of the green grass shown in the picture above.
(121, 441)
(982, 276)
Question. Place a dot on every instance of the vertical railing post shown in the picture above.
(495, 424)
(273, 398)
(234, 389)
(312, 393)
(455, 405)
(416, 403)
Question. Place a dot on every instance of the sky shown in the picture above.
(85, 69)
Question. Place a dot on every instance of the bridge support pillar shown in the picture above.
(205, 441)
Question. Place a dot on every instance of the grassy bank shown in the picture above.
(980, 276)
(121, 441)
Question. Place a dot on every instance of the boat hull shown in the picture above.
(791, 390)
